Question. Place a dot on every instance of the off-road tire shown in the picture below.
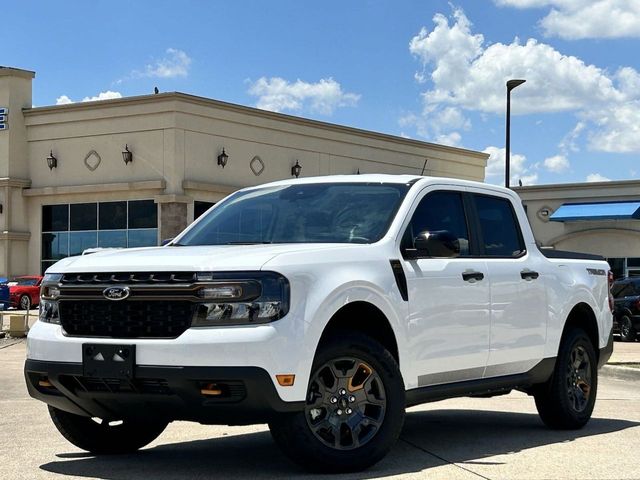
(295, 437)
(101, 438)
(553, 399)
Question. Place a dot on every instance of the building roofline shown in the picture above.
(16, 72)
(577, 185)
(194, 99)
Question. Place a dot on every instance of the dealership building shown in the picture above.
(599, 218)
(132, 171)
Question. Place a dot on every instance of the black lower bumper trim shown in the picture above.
(606, 352)
(247, 394)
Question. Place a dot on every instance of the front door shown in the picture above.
(449, 298)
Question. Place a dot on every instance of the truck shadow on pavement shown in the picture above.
(429, 439)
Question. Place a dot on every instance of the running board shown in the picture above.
(484, 386)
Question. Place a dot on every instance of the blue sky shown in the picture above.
(430, 70)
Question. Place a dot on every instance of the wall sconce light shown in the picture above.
(296, 169)
(127, 155)
(52, 162)
(223, 158)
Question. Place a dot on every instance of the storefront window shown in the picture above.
(200, 207)
(70, 229)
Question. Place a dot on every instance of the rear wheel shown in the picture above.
(103, 437)
(354, 411)
(566, 401)
(627, 332)
(25, 302)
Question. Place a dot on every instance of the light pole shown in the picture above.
(511, 84)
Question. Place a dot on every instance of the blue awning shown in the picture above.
(573, 212)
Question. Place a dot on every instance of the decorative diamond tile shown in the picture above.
(92, 160)
(257, 165)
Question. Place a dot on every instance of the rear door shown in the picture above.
(518, 295)
(449, 298)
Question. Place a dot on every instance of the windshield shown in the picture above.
(306, 213)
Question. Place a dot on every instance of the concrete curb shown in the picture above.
(621, 372)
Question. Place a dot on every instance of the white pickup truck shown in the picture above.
(325, 307)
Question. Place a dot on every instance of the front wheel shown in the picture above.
(567, 399)
(103, 437)
(627, 332)
(354, 410)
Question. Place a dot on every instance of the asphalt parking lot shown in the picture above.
(499, 438)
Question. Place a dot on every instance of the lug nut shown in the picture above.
(339, 412)
(348, 411)
(352, 398)
(343, 391)
(334, 400)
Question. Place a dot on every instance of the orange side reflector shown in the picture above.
(45, 383)
(211, 390)
(286, 380)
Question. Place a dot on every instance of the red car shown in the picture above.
(24, 292)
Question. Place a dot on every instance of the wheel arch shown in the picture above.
(363, 317)
(582, 316)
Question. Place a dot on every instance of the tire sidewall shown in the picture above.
(632, 334)
(576, 338)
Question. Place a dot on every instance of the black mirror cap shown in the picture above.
(166, 241)
(438, 244)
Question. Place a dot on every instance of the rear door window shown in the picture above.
(500, 234)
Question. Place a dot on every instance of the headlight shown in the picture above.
(49, 293)
(262, 298)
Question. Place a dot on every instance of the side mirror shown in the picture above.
(166, 241)
(439, 243)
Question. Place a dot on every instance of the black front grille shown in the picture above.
(125, 319)
(153, 386)
(119, 278)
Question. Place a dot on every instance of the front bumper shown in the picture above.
(160, 392)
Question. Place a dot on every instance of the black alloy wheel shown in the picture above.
(346, 403)
(579, 378)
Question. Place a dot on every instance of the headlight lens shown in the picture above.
(49, 293)
(49, 312)
(263, 298)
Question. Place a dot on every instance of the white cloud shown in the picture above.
(277, 94)
(578, 19)
(495, 170)
(617, 128)
(108, 95)
(63, 100)
(461, 70)
(175, 63)
(438, 124)
(557, 164)
(596, 177)
(468, 73)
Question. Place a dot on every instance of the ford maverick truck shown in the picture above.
(324, 307)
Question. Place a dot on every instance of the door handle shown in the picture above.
(529, 275)
(472, 276)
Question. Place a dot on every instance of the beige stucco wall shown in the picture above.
(609, 238)
(175, 140)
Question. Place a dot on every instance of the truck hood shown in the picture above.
(198, 259)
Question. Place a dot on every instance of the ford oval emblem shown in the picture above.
(116, 293)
